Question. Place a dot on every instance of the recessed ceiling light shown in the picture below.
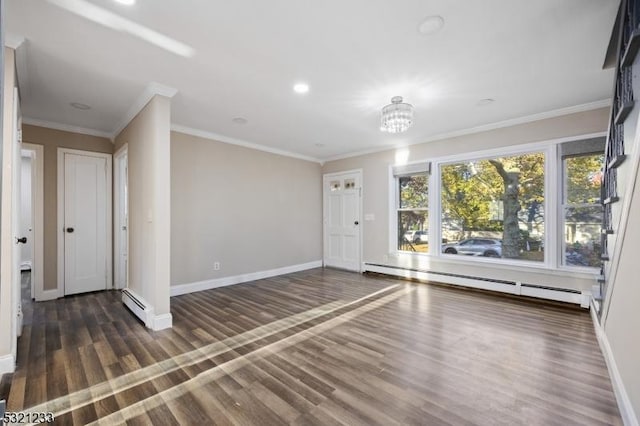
(78, 105)
(431, 25)
(487, 101)
(301, 88)
(127, 2)
(240, 120)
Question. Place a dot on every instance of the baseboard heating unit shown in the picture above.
(504, 286)
(138, 306)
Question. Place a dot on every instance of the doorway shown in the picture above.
(84, 221)
(342, 194)
(32, 224)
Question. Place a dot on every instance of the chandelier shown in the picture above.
(396, 117)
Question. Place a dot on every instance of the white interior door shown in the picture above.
(85, 223)
(342, 220)
(122, 220)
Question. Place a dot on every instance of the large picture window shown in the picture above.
(494, 207)
(412, 207)
(582, 210)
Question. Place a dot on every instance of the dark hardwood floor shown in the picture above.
(319, 347)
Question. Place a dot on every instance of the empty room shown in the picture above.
(319, 213)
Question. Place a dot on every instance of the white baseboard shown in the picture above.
(48, 295)
(161, 322)
(629, 417)
(7, 364)
(518, 289)
(179, 289)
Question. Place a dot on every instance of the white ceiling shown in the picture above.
(530, 56)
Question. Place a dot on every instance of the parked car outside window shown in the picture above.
(486, 247)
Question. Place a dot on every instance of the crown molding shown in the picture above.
(233, 141)
(152, 89)
(66, 127)
(603, 103)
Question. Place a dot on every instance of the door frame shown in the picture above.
(109, 213)
(37, 203)
(325, 177)
(117, 224)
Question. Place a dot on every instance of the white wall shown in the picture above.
(26, 212)
(148, 139)
(7, 316)
(249, 210)
(376, 194)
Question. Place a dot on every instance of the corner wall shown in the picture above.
(7, 314)
(148, 139)
(254, 212)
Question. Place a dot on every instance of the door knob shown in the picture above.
(22, 240)
(70, 230)
(356, 223)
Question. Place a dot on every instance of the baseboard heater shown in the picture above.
(137, 305)
(504, 286)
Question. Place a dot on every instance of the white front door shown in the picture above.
(342, 221)
(85, 223)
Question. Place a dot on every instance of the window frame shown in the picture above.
(563, 205)
(553, 205)
(396, 204)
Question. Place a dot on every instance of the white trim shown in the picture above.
(239, 142)
(124, 149)
(484, 128)
(180, 289)
(541, 293)
(45, 295)
(37, 185)
(65, 127)
(147, 94)
(7, 364)
(161, 322)
(108, 215)
(627, 413)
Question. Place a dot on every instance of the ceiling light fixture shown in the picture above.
(396, 117)
(431, 25)
(78, 105)
(301, 88)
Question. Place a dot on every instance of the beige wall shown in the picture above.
(622, 323)
(7, 317)
(148, 140)
(249, 210)
(376, 189)
(52, 140)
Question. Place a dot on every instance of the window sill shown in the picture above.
(512, 265)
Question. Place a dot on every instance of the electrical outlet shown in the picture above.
(216, 266)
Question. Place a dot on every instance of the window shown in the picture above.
(582, 211)
(494, 207)
(412, 207)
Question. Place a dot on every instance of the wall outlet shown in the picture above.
(216, 266)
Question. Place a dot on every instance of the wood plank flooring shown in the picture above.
(319, 347)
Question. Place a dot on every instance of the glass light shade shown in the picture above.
(396, 117)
